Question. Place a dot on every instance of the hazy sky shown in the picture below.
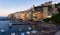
(11, 6)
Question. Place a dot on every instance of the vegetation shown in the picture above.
(55, 18)
(46, 20)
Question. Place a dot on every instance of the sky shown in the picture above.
(11, 6)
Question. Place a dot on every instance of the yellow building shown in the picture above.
(17, 15)
(11, 16)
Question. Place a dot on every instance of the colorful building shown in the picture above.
(37, 13)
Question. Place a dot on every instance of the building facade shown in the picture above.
(37, 13)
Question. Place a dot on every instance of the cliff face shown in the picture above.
(36, 13)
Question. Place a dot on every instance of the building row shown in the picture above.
(36, 13)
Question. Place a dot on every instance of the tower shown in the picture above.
(45, 11)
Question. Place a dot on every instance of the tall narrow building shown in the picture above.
(45, 11)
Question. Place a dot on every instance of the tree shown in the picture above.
(55, 18)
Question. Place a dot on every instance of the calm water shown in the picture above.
(14, 28)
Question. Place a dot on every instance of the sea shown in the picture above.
(9, 27)
(5, 29)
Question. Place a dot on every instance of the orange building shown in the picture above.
(40, 15)
(25, 16)
(37, 16)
